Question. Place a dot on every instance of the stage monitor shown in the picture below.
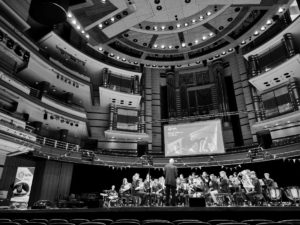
(197, 138)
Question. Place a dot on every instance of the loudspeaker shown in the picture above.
(197, 202)
(142, 148)
(264, 138)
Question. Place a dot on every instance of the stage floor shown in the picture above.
(169, 213)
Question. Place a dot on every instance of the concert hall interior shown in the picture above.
(149, 109)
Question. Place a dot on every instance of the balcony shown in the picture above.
(278, 74)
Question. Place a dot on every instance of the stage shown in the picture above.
(169, 213)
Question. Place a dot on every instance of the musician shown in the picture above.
(156, 192)
(147, 186)
(255, 195)
(213, 188)
(125, 190)
(269, 182)
(234, 184)
(224, 183)
(140, 192)
(134, 185)
(112, 196)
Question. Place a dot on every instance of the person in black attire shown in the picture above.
(255, 195)
(170, 182)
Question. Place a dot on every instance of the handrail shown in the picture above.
(57, 144)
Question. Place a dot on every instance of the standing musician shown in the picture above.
(269, 182)
(170, 174)
(134, 185)
(147, 187)
(224, 186)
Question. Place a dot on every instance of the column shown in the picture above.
(171, 92)
(111, 116)
(256, 103)
(294, 93)
(254, 65)
(288, 42)
(105, 77)
(136, 85)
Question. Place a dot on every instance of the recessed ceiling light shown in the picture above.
(263, 28)
(204, 38)
(82, 31)
(153, 65)
(100, 49)
(163, 27)
(162, 46)
(208, 13)
(186, 24)
(78, 27)
(74, 21)
(118, 57)
(103, 1)
(112, 19)
(111, 54)
(170, 46)
(87, 36)
(200, 18)
(256, 33)
(280, 10)
(243, 42)
(224, 53)
(155, 45)
(155, 27)
(196, 41)
(100, 25)
(194, 21)
(70, 15)
(178, 25)
(183, 45)
(230, 50)
(211, 34)
(269, 21)
(123, 59)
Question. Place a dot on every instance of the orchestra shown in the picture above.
(237, 189)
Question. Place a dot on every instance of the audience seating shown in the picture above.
(185, 220)
(194, 223)
(20, 221)
(151, 221)
(78, 221)
(256, 221)
(273, 223)
(39, 221)
(92, 223)
(128, 220)
(125, 223)
(9, 223)
(106, 221)
(58, 221)
(217, 221)
(4, 220)
(62, 223)
(36, 223)
(294, 222)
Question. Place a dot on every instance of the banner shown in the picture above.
(198, 138)
(22, 186)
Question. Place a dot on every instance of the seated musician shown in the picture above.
(134, 185)
(147, 187)
(125, 190)
(140, 192)
(113, 195)
(161, 181)
(234, 184)
(255, 195)
(269, 182)
(224, 186)
(213, 188)
(156, 193)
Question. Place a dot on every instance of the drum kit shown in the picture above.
(109, 200)
(293, 193)
(274, 195)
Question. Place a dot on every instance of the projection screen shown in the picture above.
(198, 138)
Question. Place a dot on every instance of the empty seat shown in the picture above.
(217, 221)
(39, 221)
(294, 221)
(256, 221)
(155, 220)
(20, 221)
(184, 220)
(58, 221)
(62, 223)
(106, 221)
(160, 222)
(78, 221)
(35, 223)
(9, 223)
(128, 220)
(125, 223)
(232, 223)
(274, 223)
(92, 223)
(4, 220)
(193, 223)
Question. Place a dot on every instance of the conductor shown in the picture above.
(170, 181)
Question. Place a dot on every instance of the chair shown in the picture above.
(92, 223)
(294, 221)
(217, 221)
(106, 221)
(78, 221)
(39, 220)
(256, 221)
(20, 221)
(51, 221)
(4, 220)
(9, 223)
(274, 223)
(128, 220)
(194, 223)
(158, 222)
(232, 223)
(125, 223)
(155, 220)
(184, 221)
(35, 223)
(62, 223)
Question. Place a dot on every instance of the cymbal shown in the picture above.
(103, 194)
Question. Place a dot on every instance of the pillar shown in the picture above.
(111, 116)
(256, 103)
(105, 77)
(253, 65)
(294, 93)
(288, 42)
(171, 92)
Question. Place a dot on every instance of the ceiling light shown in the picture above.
(178, 25)
(208, 13)
(269, 22)
(112, 19)
(74, 21)
(194, 21)
(230, 50)
(243, 42)
(70, 15)
(186, 24)
(211, 34)
(111, 55)
(280, 10)
(162, 46)
(263, 28)
(78, 27)
(196, 41)
(118, 57)
(155, 45)
(183, 45)
(200, 18)
(100, 25)
(100, 49)
(123, 59)
(103, 1)
(204, 38)
(82, 31)
(87, 36)
(163, 27)
(155, 27)
(170, 46)
(153, 65)
(224, 53)
(256, 33)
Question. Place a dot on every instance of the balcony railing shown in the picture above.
(57, 144)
